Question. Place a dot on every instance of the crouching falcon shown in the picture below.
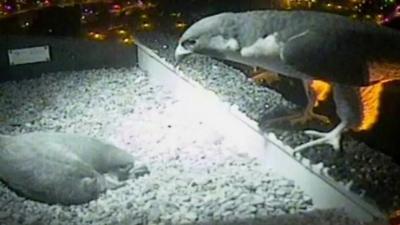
(353, 58)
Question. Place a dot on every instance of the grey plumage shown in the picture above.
(61, 168)
(331, 40)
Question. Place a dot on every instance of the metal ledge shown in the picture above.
(272, 153)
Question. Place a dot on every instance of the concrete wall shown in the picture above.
(66, 54)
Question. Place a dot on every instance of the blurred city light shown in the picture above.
(180, 25)
(96, 36)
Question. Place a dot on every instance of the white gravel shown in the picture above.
(195, 174)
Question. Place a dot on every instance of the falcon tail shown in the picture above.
(379, 74)
(370, 103)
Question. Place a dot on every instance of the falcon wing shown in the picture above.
(330, 55)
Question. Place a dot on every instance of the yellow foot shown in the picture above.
(265, 78)
(307, 116)
(301, 118)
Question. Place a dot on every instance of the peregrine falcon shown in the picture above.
(61, 168)
(353, 58)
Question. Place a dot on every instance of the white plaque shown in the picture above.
(29, 55)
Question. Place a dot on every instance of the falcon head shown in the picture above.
(213, 36)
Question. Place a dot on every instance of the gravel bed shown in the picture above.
(195, 177)
(370, 171)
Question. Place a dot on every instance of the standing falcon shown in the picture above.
(354, 58)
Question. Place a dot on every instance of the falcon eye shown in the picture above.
(189, 43)
(265, 35)
(125, 167)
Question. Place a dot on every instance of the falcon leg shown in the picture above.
(312, 101)
(300, 118)
(332, 138)
(308, 114)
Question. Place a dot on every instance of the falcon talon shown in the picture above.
(332, 138)
(333, 141)
(323, 119)
(315, 133)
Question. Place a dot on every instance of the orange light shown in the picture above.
(128, 40)
(394, 218)
(146, 26)
(121, 32)
(97, 36)
(370, 103)
(180, 25)
(321, 90)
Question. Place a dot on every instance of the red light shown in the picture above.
(116, 6)
(140, 3)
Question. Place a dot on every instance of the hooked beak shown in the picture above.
(180, 54)
(138, 171)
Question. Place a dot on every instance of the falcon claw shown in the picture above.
(332, 138)
(322, 118)
(315, 133)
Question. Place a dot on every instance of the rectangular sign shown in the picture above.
(29, 55)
